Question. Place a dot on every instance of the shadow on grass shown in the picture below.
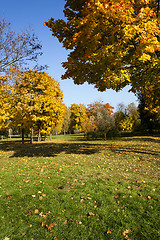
(47, 149)
(135, 150)
(143, 139)
(52, 149)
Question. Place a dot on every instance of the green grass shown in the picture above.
(73, 189)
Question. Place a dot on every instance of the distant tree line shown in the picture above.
(98, 120)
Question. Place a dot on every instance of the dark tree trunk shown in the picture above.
(31, 139)
(45, 139)
(22, 135)
(150, 127)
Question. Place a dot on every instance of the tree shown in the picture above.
(149, 119)
(99, 119)
(150, 92)
(37, 102)
(127, 118)
(149, 87)
(133, 113)
(111, 42)
(89, 125)
(77, 116)
(103, 118)
(5, 103)
(119, 117)
(66, 120)
(16, 48)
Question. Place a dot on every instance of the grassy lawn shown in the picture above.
(73, 189)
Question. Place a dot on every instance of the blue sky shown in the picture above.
(33, 13)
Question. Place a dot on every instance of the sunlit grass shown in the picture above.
(73, 189)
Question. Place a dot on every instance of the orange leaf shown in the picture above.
(36, 211)
(28, 214)
(50, 226)
(43, 224)
(91, 214)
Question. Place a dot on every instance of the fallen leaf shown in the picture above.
(43, 224)
(65, 222)
(91, 214)
(125, 232)
(28, 214)
(51, 226)
(41, 214)
(36, 211)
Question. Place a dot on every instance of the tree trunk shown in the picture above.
(31, 139)
(150, 127)
(22, 135)
(45, 139)
(39, 136)
(50, 136)
(105, 136)
(9, 131)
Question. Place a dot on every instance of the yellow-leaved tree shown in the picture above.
(37, 103)
(5, 103)
(112, 43)
(77, 116)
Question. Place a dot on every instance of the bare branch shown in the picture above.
(17, 47)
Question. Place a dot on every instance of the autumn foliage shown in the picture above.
(34, 102)
(5, 102)
(110, 41)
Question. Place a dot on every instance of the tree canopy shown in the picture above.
(39, 97)
(77, 116)
(30, 100)
(111, 43)
(5, 102)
